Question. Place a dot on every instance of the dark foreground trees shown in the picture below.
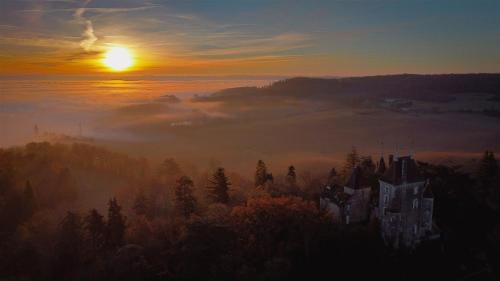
(115, 230)
(259, 235)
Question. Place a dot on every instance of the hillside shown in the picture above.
(419, 87)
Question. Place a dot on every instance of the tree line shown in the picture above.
(221, 226)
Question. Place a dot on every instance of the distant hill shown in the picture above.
(411, 86)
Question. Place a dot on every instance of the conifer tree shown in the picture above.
(95, 228)
(219, 187)
(351, 161)
(261, 175)
(68, 247)
(185, 202)
(115, 230)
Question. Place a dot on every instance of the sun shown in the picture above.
(118, 58)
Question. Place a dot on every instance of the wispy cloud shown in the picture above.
(88, 35)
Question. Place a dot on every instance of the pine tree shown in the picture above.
(185, 202)
(68, 247)
(261, 175)
(95, 228)
(351, 161)
(291, 177)
(219, 187)
(115, 230)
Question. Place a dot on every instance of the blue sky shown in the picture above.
(350, 37)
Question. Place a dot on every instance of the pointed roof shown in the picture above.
(402, 169)
(381, 166)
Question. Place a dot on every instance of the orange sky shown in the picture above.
(342, 38)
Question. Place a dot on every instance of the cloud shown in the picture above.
(88, 35)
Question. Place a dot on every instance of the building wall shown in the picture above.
(332, 209)
(426, 215)
(415, 217)
(359, 205)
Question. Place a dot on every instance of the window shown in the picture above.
(415, 203)
(386, 199)
(415, 190)
(415, 229)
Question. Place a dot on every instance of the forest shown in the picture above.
(81, 212)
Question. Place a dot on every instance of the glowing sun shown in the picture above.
(118, 58)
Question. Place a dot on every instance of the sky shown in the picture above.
(250, 37)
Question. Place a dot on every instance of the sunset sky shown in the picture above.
(349, 37)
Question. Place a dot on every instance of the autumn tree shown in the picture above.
(185, 202)
(267, 224)
(115, 229)
(219, 187)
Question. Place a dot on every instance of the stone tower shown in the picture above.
(405, 204)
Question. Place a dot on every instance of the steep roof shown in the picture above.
(402, 169)
(381, 166)
(357, 180)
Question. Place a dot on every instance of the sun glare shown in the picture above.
(118, 58)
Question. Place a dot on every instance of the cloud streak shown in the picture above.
(88, 36)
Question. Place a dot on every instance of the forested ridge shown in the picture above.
(175, 221)
(410, 86)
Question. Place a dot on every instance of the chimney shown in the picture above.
(391, 159)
